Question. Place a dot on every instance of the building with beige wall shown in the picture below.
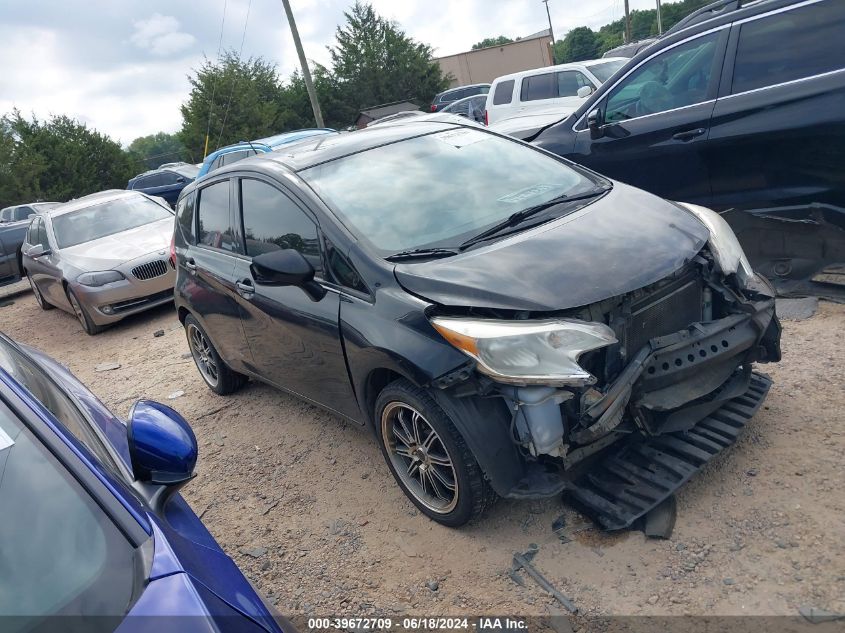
(483, 65)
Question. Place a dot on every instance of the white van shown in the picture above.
(552, 87)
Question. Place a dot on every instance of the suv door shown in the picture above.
(653, 123)
(208, 281)
(295, 341)
(778, 138)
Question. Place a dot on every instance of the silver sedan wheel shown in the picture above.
(419, 457)
(203, 355)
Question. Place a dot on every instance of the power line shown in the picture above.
(235, 80)
(213, 82)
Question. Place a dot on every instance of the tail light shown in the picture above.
(173, 250)
(486, 118)
(433, 108)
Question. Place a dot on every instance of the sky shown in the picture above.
(121, 66)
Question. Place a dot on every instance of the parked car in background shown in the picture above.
(101, 257)
(556, 89)
(165, 183)
(95, 534)
(442, 99)
(238, 151)
(470, 107)
(506, 322)
(14, 222)
(744, 113)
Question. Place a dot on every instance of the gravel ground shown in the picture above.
(306, 506)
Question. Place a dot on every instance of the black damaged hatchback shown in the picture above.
(507, 323)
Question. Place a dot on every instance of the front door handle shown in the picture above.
(245, 287)
(190, 264)
(688, 135)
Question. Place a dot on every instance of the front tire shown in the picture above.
(39, 298)
(91, 328)
(428, 457)
(216, 374)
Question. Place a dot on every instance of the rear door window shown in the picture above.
(503, 92)
(538, 87)
(185, 214)
(802, 42)
(273, 222)
(214, 219)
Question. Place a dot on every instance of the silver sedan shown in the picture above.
(101, 257)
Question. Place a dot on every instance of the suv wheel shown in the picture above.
(88, 325)
(219, 378)
(39, 298)
(428, 457)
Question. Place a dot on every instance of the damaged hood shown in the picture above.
(625, 240)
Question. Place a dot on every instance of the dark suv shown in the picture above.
(442, 99)
(744, 113)
(507, 323)
(164, 183)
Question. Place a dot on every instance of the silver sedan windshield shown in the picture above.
(107, 218)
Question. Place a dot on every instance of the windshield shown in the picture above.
(108, 218)
(438, 189)
(605, 70)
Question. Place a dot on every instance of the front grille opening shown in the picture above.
(150, 270)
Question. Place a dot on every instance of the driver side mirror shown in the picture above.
(286, 267)
(594, 123)
(162, 446)
(585, 91)
(37, 251)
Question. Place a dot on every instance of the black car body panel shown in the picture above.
(649, 238)
(623, 258)
(770, 148)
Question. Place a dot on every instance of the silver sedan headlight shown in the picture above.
(527, 352)
(101, 278)
(723, 244)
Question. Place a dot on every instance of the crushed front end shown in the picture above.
(661, 381)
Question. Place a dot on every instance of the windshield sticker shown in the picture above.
(461, 137)
(526, 194)
(5, 440)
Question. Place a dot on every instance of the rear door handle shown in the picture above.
(190, 264)
(245, 287)
(688, 135)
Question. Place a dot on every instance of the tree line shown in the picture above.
(373, 61)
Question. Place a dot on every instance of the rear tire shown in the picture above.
(91, 328)
(39, 298)
(428, 457)
(214, 371)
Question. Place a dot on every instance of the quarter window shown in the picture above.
(215, 226)
(503, 93)
(677, 78)
(273, 222)
(790, 45)
(185, 213)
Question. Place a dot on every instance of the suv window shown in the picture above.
(185, 214)
(214, 220)
(273, 222)
(61, 554)
(790, 45)
(503, 93)
(551, 85)
(22, 213)
(674, 79)
(234, 157)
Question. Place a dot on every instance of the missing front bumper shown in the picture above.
(628, 482)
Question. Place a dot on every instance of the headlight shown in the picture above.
(99, 278)
(723, 243)
(527, 352)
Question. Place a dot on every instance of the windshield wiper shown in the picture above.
(520, 216)
(422, 252)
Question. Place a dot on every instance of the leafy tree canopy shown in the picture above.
(492, 41)
(149, 152)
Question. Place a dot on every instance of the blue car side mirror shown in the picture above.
(162, 446)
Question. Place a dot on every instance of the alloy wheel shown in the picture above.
(203, 355)
(419, 457)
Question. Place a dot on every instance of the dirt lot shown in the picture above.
(305, 504)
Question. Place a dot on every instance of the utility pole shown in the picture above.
(551, 30)
(306, 73)
(659, 21)
(627, 24)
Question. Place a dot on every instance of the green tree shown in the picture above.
(231, 100)
(579, 44)
(148, 152)
(492, 41)
(374, 62)
(57, 159)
